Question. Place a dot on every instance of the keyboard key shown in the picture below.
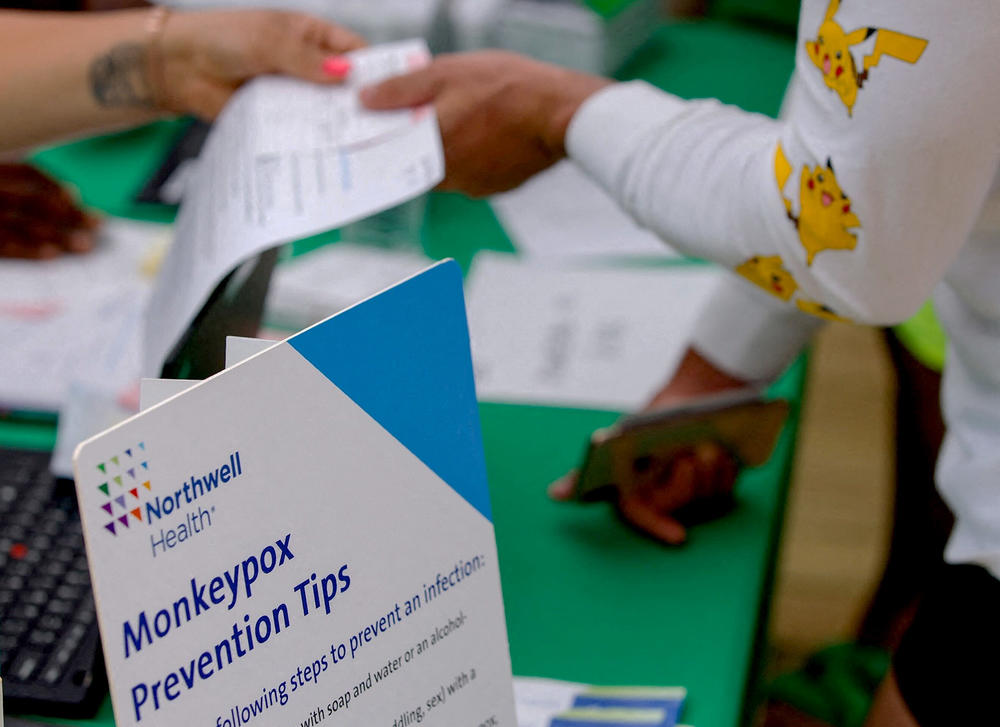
(45, 583)
(59, 608)
(13, 627)
(25, 664)
(68, 593)
(50, 622)
(64, 652)
(19, 568)
(40, 541)
(63, 555)
(41, 638)
(38, 597)
(52, 568)
(26, 611)
(78, 578)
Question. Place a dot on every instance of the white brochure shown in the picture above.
(287, 159)
(306, 537)
(603, 338)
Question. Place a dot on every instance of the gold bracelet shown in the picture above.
(156, 23)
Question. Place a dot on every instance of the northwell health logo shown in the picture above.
(171, 518)
(126, 484)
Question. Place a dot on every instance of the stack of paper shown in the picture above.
(474, 22)
(76, 318)
(549, 703)
(596, 37)
(562, 213)
(378, 21)
(605, 338)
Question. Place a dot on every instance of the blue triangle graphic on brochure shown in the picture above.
(403, 356)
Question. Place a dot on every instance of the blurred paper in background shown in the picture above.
(603, 338)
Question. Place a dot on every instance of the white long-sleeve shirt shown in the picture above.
(877, 186)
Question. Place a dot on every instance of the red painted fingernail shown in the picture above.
(336, 66)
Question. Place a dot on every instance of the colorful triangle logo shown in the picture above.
(128, 452)
(123, 520)
(137, 514)
(120, 500)
(145, 465)
(131, 472)
(111, 526)
(142, 446)
(106, 507)
(118, 480)
(134, 492)
(115, 460)
(102, 468)
(147, 485)
(104, 488)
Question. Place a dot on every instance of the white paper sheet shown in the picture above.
(605, 338)
(563, 213)
(240, 348)
(284, 160)
(309, 288)
(77, 317)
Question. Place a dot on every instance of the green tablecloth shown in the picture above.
(586, 598)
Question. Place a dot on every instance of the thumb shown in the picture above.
(411, 89)
(564, 487)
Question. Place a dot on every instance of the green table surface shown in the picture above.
(586, 598)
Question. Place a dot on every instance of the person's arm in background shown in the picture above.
(852, 206)
(66, 73)
(742, 337)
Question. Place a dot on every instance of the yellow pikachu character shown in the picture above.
(830, 51)
(770, 274)
(825, 215)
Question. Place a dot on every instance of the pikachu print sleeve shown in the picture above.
(852, 205)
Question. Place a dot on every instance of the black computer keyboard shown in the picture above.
(50, 656)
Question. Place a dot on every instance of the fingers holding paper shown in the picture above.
(689, 487)
(503, 117)
(693, 484)
(208, 55)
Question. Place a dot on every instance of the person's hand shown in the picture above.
(205, 56)
(503, 117)
(38, 217)
(703, 474)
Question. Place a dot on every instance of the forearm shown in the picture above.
(853, 207)
(63, 73)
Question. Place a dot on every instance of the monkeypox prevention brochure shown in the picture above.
(306, 537)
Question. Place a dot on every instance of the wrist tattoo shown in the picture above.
(120, 77)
